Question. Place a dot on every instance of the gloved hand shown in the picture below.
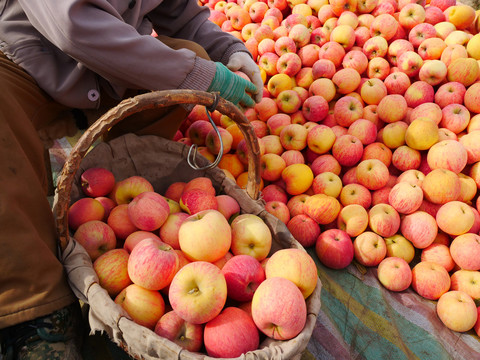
(232, 87)
(243, 62)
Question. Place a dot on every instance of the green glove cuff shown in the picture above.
(231, 86)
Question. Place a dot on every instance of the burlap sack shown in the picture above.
(163, 162)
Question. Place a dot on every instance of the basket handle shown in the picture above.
(147, 101)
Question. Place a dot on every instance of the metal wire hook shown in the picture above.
(192, 152)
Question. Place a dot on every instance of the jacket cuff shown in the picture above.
(201, 76)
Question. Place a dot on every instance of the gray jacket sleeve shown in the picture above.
(103, 36)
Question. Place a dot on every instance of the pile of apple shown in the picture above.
(369, 130)
(189, 265)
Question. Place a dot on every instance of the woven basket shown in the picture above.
(162, 162)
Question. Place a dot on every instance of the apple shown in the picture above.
(355, 59)
(430, 280)
(205, 236)
(174, 190)
(347, 150)
(108, 204)
(304, 229)
(377, 150)
(266, 108)
(379, 68)
(405, 158)
(198, 292)
(198, 131)
(455, 218)
(406, 197)
(420, 228)
(112, 272)
(295, 265)
(323, 68)
(279, 309)
(372, 173)
(441, 186)
(230, 334)
(325, 162)
(397, 83)
(126, 190)
(394, 274)
(448, 154)
(471, 98)
(148, 211)
(457, 311)
(346, 110)
(392, 108)
(288, 101)
(152, 264)
(293, 137)
(369, 248)
(279, 210)
(332, 51)
(376, 46)
(467, 281)
(353, 219)
(134, 238)
(398, 246)
(97, 181)
(315, 108)
(320, 139)
(144, 306)
(298, 178)
(383, 219)
(355, 194)
(346, 80)
(451, 92)
(440, 254)
(465, 251)
(84, 210)
(322, 208)
(272, 144)
(288, 65)
(277, 122)
(455, 117)
(227, 205)
(250, 236)
(243, 274)
(334, 249)
(174, 328)
(96, 237)
(327, 183)
(194, 201)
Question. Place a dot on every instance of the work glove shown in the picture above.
(232, 87)
(241, 61)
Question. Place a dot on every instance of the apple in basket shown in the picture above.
(198, 292)
(279, 309)
(185, 334)
(96, 237)
(205, 236)
(112, 271)
(97, 181)
(152, 264)
(126, 190)
(231, 334)
(144, 306)
(250, 236)
(84, 210)
(295, 265)
(148, 211)
(243, 274)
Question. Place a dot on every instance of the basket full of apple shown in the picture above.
(176, 262)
